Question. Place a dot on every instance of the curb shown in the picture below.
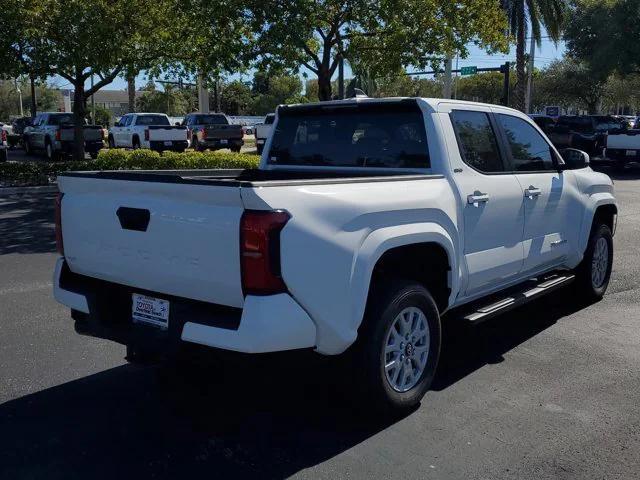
(7, 191)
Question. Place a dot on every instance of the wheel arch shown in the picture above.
(604, 210)
(389, 251)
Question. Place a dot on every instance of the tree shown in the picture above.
(384, 36)
(48, 98)
(282, 89)
(236, 98)
(80, 39)
(173, 102)
(529, 16)
(604, 34)
(570, 83)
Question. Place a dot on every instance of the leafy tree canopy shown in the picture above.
(604, 34)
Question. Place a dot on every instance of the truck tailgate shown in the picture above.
(91, 133)
(176, 239)
(162, 133)
(627, 140)
(223, 132)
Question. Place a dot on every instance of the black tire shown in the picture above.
(135, 143)
(259, 149)
(4, 155)
(387, 301)
(139, 354)
(27, 146)
(112, 142)
(180, 150)
(587, 284)
(236, 149)
(49, 152)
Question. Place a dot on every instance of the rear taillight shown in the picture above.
(58, 135)
(146, 135)
(260, 251)
(58, 220)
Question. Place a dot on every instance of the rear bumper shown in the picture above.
(622, 155)
(169, 145)
(215, 144)
(89, 146)
(264, 324)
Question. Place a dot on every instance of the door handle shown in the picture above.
(532, 192)
(477, 198)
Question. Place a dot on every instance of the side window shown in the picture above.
(127, 120)
(529, 150)
(477, 141)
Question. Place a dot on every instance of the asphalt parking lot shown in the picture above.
(551, 390)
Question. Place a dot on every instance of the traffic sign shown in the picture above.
(469, 70)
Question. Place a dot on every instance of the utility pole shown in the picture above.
(446, 90)
(93, 105)
(203, 96)
(34, 104)
(455, 90)
(528, 97)
(19, 96)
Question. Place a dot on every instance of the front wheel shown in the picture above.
(594, 272)
(51, 154)
(398, 345)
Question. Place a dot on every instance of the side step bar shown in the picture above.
(531, 290)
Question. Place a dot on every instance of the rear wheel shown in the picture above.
(236, 149)
(27, 146)
(594, 272)
(4, 156)
(135, 144)
(259, 149)
(93, 155)
(112, 142)
(398, 345)
(50, 153)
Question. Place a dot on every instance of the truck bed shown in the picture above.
(248, 177)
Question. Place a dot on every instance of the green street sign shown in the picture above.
(469, 70)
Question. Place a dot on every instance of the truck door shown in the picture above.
(491, 200)
(546, 194)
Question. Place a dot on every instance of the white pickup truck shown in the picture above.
(622, 147)
(148, 130)
(263, 131)
(366, 221)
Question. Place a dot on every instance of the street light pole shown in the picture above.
(528, 96)
(19, 96)
(93, 104)
(446, 90)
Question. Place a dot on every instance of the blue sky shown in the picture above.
(545, 54)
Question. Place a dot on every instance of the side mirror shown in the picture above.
(574, 159)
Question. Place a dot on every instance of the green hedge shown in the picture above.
(44, 173)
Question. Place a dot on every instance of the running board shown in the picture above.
(531, 290)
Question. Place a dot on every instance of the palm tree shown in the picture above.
(528, 16)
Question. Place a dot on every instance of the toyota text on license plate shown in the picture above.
(150, 310)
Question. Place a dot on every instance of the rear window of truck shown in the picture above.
(152, 120)
(375, 135)
(211, 120)
(60, 119)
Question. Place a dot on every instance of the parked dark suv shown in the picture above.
(584, 132)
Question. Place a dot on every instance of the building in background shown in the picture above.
(116, 101)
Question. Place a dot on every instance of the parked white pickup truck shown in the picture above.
(622, 147)
(367, 220)
(263, 131)
(148, 130)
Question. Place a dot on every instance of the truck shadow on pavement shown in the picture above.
(27, 224)
(261, 418)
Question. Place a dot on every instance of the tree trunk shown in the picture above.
(79, 111)
(324, 85)
(131, 91)
(34, 104)
(519, 94)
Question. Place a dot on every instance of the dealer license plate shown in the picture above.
(168, 143)
(224, 142)
(150, 310)
(631, 153)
